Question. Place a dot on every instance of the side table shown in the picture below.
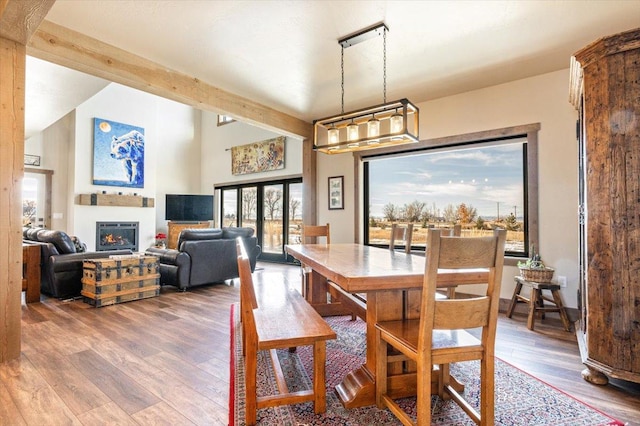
(537, 299)
(31, 272)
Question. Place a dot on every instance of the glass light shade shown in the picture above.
(352, 132)
(373, 127)
(397, 123)
(334, 135)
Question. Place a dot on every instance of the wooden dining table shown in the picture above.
(392, 282)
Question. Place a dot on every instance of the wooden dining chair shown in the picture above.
(401, 234)
(439, 336)
(314, 231)
(310, 234)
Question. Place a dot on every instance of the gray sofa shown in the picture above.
(204, 256)
(61, 261)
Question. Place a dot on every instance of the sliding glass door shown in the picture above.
(273, 209)
(273, 219)
(249, 207)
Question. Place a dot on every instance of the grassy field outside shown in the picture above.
(381, 234)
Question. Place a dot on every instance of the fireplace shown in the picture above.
(116, 236)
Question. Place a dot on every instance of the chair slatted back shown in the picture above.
(461, 313)
(462, 253)
(402, 234)
(314, 231)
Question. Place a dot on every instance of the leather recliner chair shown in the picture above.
(204, 256)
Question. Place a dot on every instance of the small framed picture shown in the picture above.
(336, 193)
(31, 160)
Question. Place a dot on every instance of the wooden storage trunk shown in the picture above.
(120, 279)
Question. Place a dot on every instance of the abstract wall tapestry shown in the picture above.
(258, 156)
(118, 154)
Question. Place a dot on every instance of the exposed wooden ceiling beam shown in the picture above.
(62, 46)
(19, 19)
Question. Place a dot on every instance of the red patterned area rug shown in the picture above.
(521, 399)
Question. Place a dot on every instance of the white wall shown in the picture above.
(178, 158)
(542, 99)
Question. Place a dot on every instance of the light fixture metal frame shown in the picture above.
(408, 134)
(410, 113)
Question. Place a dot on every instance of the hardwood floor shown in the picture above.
(165, 360)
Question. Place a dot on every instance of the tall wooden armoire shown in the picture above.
(605, 88)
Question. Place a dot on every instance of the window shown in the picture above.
(480, 184)
(224, 119)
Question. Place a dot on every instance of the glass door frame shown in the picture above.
(259, 232)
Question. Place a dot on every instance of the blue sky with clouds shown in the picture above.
(482, 177)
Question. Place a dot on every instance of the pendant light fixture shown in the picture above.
(387, 124)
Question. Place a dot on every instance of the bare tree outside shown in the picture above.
(249, 203)
(390, 212)
(294, 205)
(272, 203)
(413, 211)
(450, 214)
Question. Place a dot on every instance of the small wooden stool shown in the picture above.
(536, 302)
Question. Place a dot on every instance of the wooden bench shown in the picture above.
(275, 318)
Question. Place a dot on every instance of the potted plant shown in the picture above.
(160, 237)
(534, 268)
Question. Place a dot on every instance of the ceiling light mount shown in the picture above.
(363, 35)
(391, 123)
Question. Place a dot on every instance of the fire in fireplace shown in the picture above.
(116, 236)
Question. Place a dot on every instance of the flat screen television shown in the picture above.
(189, 208)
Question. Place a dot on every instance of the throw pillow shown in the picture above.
(79, 245)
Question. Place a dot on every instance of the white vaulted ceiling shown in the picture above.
(285, 54)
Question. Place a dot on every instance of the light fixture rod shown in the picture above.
(342, 70)
(363, 35)
(384, 66)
